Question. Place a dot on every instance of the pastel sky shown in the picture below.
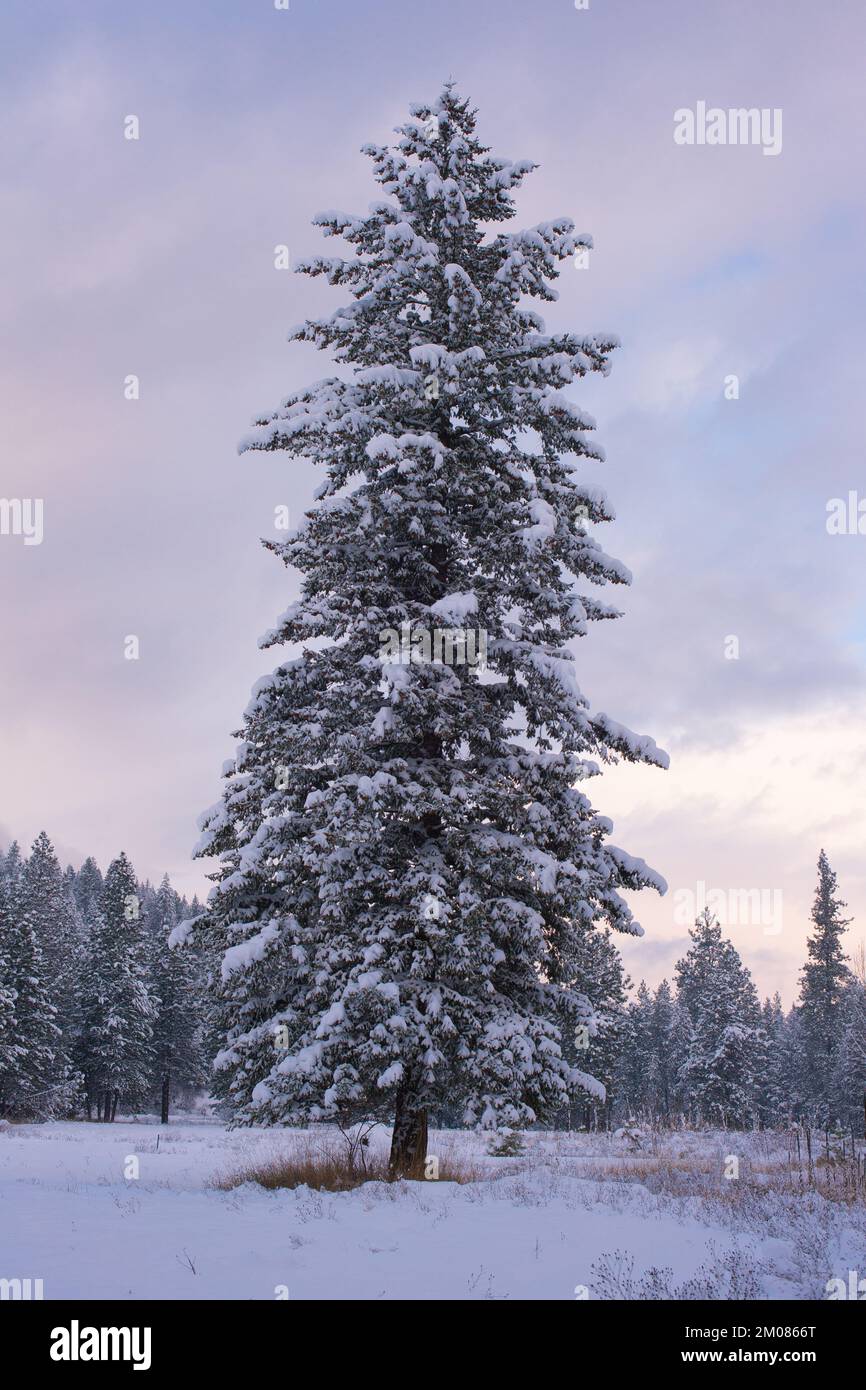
(156, 258)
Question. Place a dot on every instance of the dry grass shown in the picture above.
(767, 1168)
(329, 1167)
(322, 1169)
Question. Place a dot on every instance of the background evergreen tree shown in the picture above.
(37, 1080)
(720, 1075)
(849, 1077)
(824, 980)
(13, 866)
(774, 1080)
(600, 974)
(665, 1053)
(176, 1043)
(88, 887)
(87, 895)
(118, 1008)
(633, 1074)
(11, 1050)
(51, 916)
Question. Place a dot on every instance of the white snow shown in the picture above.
(456, 607)
(253, 949)
(536, 1226)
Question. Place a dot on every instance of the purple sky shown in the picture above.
(155, 257)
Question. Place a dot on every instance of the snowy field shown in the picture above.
(577, 1215)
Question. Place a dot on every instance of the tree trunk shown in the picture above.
(166, 1093)
(114, 1099)
(409, 1140)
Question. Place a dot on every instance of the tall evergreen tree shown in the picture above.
(88, 886)
(633, 1077)
(43, 899)
(665, 1052)
(11, 1050)
(720, 1075)
(849, 1077)
(774, 1088)
(36, 1079)
(599, 974)
(46, 905)
(13, 866)
(118, 1008)
(176, 1043)
(407, 860)
(87, 895)
(824, 980)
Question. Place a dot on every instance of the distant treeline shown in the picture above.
(95, 1010)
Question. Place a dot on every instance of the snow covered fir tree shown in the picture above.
(725, 1057)
(409, 857)
(416, 905)
(177, 1046)
(824, 982)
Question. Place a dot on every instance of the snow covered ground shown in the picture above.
(576, 1216)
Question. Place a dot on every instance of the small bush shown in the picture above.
(507, 1143)
(634, 1136)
